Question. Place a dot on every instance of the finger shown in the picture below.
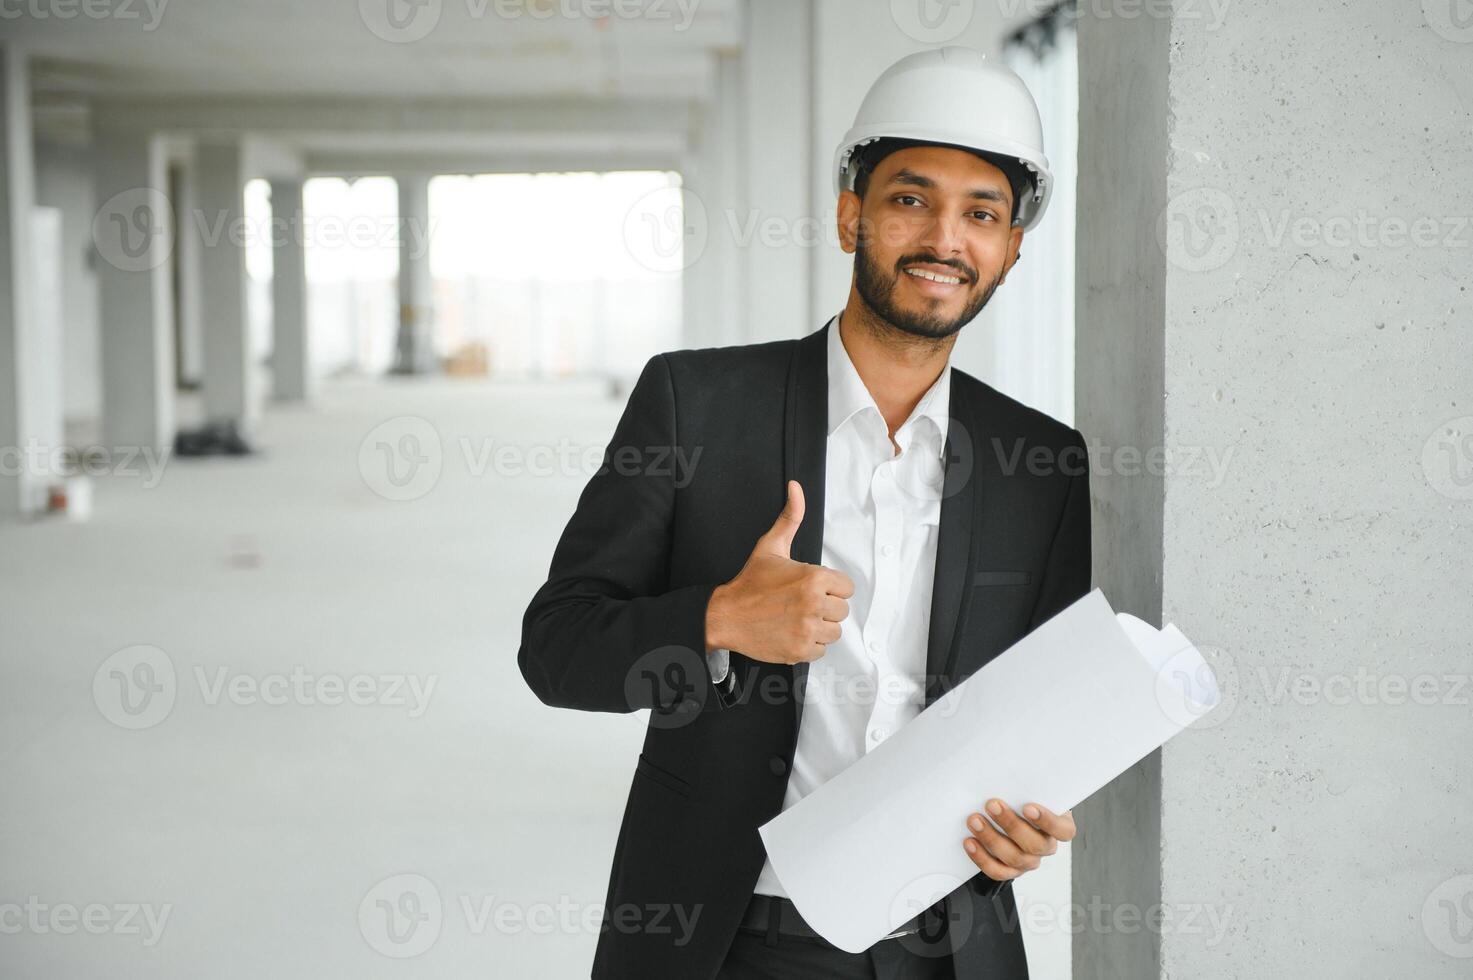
(837, 583)
(834, 609)
(827, 632)
(1000, 846)
(986, 863)
(1028, 837)
(1057, 825)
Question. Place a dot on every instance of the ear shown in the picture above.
(1015, 252)
(848, 220)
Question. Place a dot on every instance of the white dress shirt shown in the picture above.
(881, 511)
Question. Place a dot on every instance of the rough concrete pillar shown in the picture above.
(416, 351)
(291, 366)
(133, 235)
(229, 389)
(17, 197)
(1274, 335)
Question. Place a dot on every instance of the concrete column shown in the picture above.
(1281, 306)
(291, 366)
(220, 187)
(17, 196)
(133, 234)
(416, 353)
(64, 181)
(713, 310)
(189, 248)
(768, 230)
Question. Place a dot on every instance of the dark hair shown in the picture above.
(867, 157)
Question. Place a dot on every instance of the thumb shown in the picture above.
(779, 538)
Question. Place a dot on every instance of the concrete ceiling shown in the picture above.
(374, 48)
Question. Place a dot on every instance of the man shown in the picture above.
(924, 523)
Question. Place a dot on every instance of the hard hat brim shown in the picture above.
(1030, 209)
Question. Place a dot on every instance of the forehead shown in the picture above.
(946, 166)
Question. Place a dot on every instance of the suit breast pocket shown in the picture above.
(984, 579)
(664, 777)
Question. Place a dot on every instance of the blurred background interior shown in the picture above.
(315, 318)
(330, 308)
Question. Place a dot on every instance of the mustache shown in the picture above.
(968, 273)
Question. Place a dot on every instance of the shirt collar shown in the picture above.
(848, 395)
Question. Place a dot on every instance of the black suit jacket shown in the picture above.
(695, 472)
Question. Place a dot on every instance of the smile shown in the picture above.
(934, 276)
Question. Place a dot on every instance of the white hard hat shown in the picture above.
(954, 95)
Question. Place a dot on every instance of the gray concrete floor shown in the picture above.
(264, 826)
(310, 839)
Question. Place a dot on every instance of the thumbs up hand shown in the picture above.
(778, 610)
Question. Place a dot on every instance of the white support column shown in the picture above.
(16, 199)
(416, 354)
(189, 311)
(220, 183)
(133, 234)
(712, 302)
(772, 228)
(291, 366)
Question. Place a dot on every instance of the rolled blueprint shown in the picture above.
(1050, 720)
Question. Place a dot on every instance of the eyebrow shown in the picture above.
(913, 179)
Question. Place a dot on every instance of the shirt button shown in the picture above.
(776, 765)
(877, 734)
(874, 645)
(887, 550)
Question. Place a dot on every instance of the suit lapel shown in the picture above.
(955, 555)
(805, 457)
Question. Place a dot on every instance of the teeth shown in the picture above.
(934, 277)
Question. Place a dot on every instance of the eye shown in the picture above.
(902, 198)
(984, 214)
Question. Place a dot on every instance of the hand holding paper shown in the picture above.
(1050, 720)
(1023, 841)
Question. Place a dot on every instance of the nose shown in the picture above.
(945, 234)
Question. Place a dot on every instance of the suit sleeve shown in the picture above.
(1066, 576)
(604, 633)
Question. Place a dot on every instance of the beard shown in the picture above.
(877, 288)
